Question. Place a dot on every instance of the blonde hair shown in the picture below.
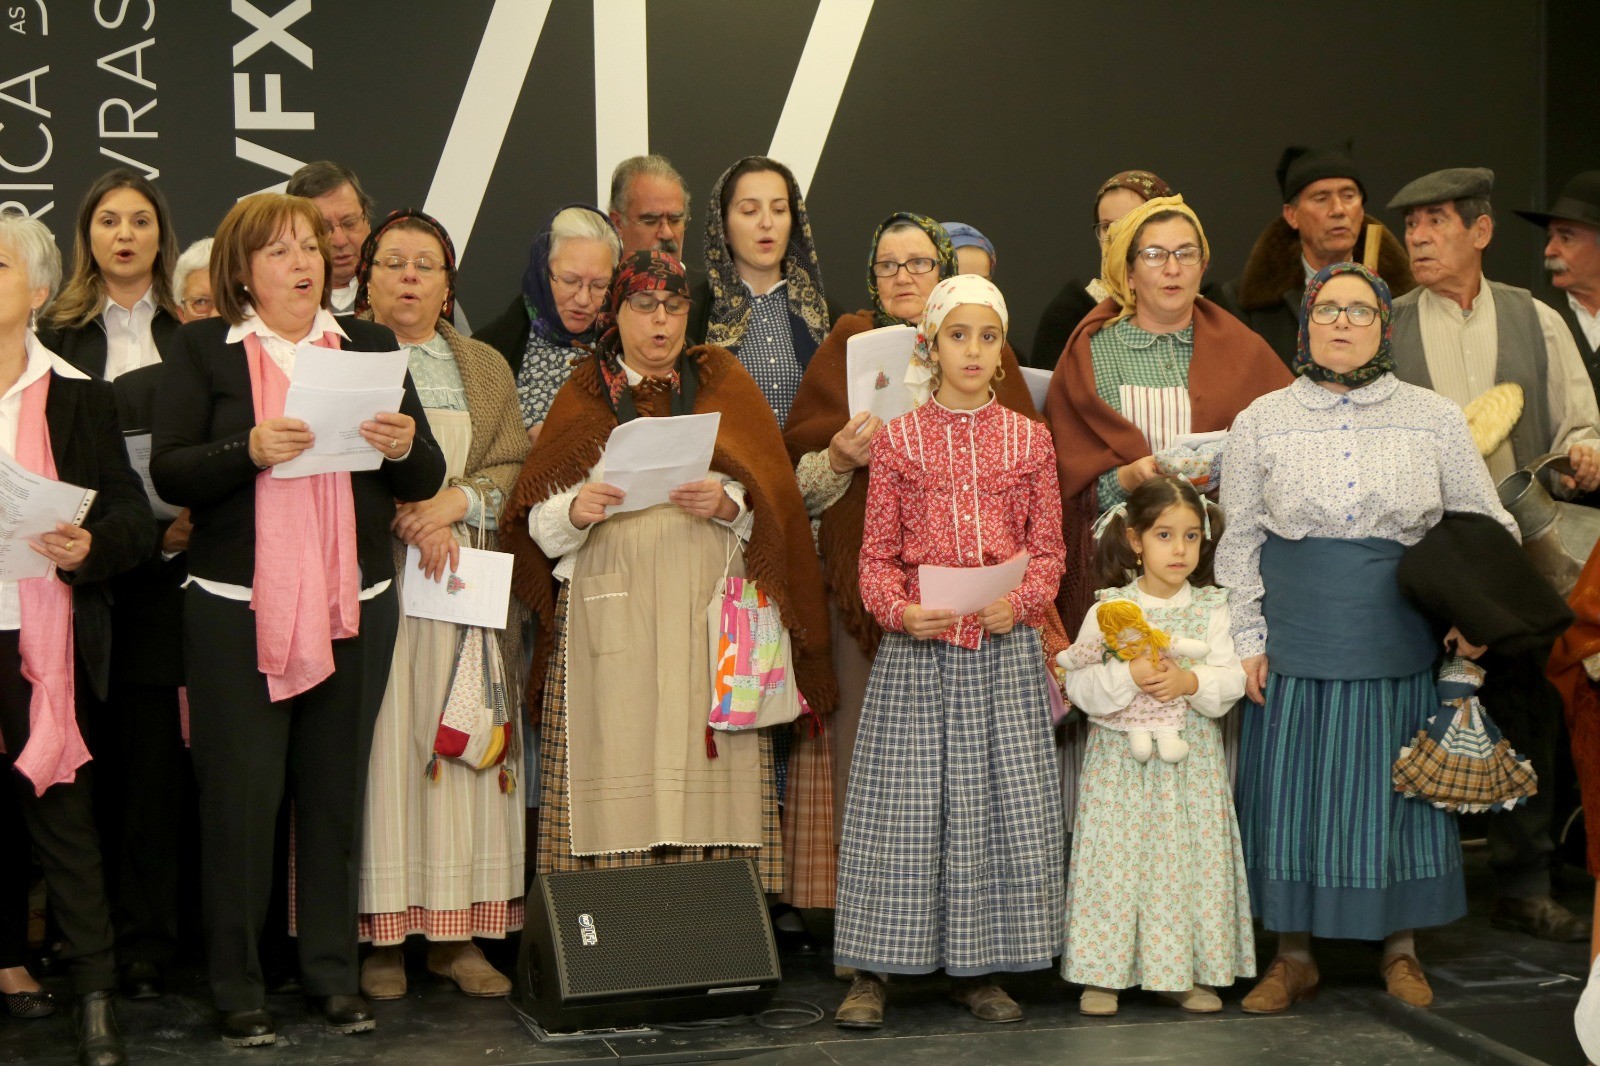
(1118, 615)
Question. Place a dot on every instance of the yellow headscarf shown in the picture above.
(1114, 261)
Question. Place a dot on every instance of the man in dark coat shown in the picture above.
(1322, 222)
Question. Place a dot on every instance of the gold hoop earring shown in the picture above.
(1000, 373)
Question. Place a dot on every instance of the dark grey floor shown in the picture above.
(1491, 986)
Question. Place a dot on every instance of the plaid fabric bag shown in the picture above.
(1461, 761)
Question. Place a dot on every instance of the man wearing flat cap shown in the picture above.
(1572, 256)
(1322, 222)
(1460, 334)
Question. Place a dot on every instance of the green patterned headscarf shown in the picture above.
(941, 243)
(1381, 363)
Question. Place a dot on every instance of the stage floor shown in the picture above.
(1501, 997)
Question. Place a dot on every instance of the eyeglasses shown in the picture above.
(888, 268)
(1102, 230)
(425, 264)
(352, 225)
(1188, 255)
(646, 303)
(571, 286)
(673, 219)
(1356, 314)
(200, 306)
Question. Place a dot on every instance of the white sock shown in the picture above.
(1402, 943)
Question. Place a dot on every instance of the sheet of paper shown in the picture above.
(478, 593)
(139, 456)
(875, 366)
(333, 392)
(1194, 440)
(969, 589)
(649, 457)
(30, 506)
(1038, 384)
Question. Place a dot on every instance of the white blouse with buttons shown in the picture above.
(1385, 460)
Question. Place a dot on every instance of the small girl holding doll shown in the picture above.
(1156, 893)
(951, 852)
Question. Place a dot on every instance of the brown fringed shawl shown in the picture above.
(1231, 366)
(821, 408)
(749, 449)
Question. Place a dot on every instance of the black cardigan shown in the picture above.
(85, 346)
(86, 442)
(200, 455)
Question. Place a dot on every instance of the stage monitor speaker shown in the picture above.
(621, 947)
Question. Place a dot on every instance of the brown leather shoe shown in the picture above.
(1540, 916)
(1403, 974)
(463, 962)
(863, 1007)
(1286, 982)
(986, 1000)
(383, 974)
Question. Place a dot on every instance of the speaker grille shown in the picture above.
(683, 925)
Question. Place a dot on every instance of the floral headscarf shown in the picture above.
(1114, 260)
(543, 318)
(1140, 182)
(729, 314)
(369, 252)
(646, 270)
(942, 247)
(946, 297)
(1382, 361)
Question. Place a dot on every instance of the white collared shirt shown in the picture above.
(1589, 323)
(343, 297)
(41, 361)
(129, 342)
(281, 351)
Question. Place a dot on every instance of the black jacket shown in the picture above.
(1061, 317)
(86, 442)
(85, 346)
(1557, 299)
(200, 456)
(508, 334)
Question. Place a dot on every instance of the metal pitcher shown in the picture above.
(1557, 536)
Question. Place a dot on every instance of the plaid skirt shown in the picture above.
(952, 849)
(554, 853)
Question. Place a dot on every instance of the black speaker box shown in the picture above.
(622, 947)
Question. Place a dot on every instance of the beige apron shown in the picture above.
(639, 692)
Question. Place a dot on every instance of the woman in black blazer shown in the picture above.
(290, 606)
(56, 421)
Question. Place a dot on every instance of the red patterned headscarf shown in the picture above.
(646, 270)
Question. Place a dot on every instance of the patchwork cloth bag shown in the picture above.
(752, 663)
(1461, 761)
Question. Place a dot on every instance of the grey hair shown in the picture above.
(31, 242)
(195, 257)
(1472, 208)
(580, 223)
(638, 166)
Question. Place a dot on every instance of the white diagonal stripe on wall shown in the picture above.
(818, 84)
(621, 89)
(483, 115)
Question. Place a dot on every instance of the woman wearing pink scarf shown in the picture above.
(290, 616)
(55, 630)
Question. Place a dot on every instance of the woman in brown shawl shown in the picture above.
(830, 446)
(621, 670)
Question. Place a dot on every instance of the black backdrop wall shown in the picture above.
(1003, 114)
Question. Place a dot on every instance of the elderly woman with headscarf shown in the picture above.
(831, 446)
(1116, 196)
(441, 850)
(621, 672)
(1325, 484)
(563, 292)
(1154, 361)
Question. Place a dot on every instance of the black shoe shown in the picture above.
(142, 980)
(99, 1042)
(1541, 916)
(247, 1028)
(40, 1004)
(346, 1014)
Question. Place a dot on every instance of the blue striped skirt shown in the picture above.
(952, 851)
(1329, 846)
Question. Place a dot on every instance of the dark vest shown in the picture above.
(1519, 356)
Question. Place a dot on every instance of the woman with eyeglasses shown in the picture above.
(1154, 361)
(621, 675)
(442, 848)
(831, 445)
(1116, 196)
(1325, 484)
(563, 292)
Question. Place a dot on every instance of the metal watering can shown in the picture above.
(1557, 536)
